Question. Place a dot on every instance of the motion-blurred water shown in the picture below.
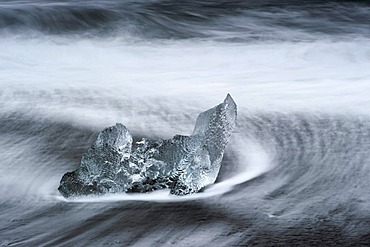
(296, 171)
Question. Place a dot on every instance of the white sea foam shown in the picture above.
(288, 76)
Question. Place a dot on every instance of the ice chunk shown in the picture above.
(206, 148)
(184, 164)
(99, 164)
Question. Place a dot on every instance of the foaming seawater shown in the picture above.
(69, 76)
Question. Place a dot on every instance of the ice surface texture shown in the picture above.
(184, 164)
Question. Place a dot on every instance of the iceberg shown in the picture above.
(183, 164)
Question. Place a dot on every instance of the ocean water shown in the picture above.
(296, 170)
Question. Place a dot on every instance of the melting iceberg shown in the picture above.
(183, 164)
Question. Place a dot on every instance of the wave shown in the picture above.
(235, 21)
